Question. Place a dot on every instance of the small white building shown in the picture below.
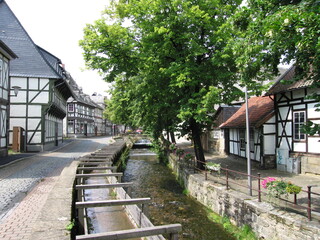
(262, 132)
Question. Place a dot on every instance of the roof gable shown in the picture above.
(260, 110)
(31, 62)
(279, 87)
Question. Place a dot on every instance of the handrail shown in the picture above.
(227, 171)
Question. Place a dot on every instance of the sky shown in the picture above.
(57, 26)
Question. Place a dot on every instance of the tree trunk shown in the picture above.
(196, 136)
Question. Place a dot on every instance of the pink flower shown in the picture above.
(265, 182)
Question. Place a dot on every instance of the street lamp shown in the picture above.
(15, 90)
(248, 143)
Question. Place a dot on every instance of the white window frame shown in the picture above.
(297, 134)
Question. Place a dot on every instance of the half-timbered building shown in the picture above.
(262, 132)
(5, 56)
(103, 126)
(218, 137)
(293, 109)
(80, 113)
(40, 107)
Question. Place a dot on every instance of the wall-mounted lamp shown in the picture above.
(15, 90)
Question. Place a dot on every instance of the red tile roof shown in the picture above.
(260, 110)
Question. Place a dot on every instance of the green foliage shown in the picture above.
(122, 162)
(70, 226)
(185, 192)
(160, 151)
(293, 189)
(243, 233)
(169, 65)
(277, 188)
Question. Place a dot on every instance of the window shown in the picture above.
(299, 119)
(70, 108)
(251, 139)
(242, 134)
(70, 126)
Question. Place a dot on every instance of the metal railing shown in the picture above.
(234, 180)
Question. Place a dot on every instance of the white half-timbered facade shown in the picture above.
(80, 121)
(262, 132)
(296, 151)
(103, 126)
(5, 56)
(40, 107)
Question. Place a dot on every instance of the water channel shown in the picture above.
(169, 204)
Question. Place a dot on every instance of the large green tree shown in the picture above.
(279, 32)
(176, 53)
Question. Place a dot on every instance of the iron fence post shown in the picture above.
(259, 188)
(227, 176)
(206, 174)
(309, 203)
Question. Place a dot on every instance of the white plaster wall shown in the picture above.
(312, 113)
(299, 107)
(18, 81)
(17, 122)
(299, 147)
(21, 98)
(269, 144)
(33, 123)
(43, 97)
(314, 144)
(44, 82)
(33, 83)
(34, 110)
(36, 138)
(283, 113)
(18, 110)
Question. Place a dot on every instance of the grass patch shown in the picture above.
(122, 162)
(70, 225)
(242, 233)
(11, 152)
(185, 192)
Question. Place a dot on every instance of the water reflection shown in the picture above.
(169, 205)
(105, 219)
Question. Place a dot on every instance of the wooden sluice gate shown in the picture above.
(102, 161)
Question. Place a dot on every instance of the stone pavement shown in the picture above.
(36, 192)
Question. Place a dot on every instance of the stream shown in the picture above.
(169, 204)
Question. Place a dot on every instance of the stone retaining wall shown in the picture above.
(265, 220)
